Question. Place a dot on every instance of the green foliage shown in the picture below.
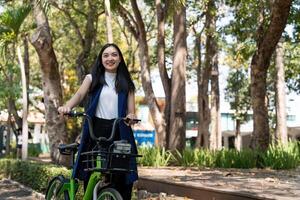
(32, 174)
(276, 157)
(34, 150)
(279, 156)
(11, 21)
(155, 157)
(230, 158)
(245, 18)
(237, 93)
(205, 158)
(186, 158)
(292, 72)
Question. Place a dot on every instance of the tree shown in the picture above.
(11, 21)
(178, 102)
(161, 62)
(237, 93)
(267, 40)
(137, 28)
(281, 127)
(82, 15)
(211, 63)
(42, 42)
(108, 21)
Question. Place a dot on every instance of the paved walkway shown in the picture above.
(11, 190)
(264, 184)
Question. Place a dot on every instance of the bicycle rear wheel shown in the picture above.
(109, 194)
(54, 190)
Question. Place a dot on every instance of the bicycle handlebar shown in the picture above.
(90, 124)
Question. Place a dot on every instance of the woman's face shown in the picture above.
(111, 59)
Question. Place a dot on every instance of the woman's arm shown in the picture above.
(78, 96)
(131, 107)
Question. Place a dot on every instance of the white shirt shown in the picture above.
(107, 107)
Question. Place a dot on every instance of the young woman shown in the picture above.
(111, 92)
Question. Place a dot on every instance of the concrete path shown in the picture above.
(11, 190)
(260, 183)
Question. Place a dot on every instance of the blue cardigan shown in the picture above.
(125, 134)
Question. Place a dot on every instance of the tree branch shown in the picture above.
(72, 21)
(128, 20)
(79, 11)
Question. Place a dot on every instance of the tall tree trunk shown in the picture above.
(211, 67)
(202, 86)
(198, 55)
(281, 127)
(178, 96)
(25, 108)
(108, 21)
(166, 81)
(259, 67)
(26, 64)
(203, 105)
(238, 137)
(216, 132)
(140, 35)
(42, 42)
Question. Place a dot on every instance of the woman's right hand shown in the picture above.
(63, 109)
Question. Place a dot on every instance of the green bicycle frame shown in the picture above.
(93, 180)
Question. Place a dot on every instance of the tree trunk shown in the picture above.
(8, 133)
(25, 108)
(108, 21)
(238, 137)
(281, 127)
(259, 67)
(26, 64)
(157, 117)
(178, 100)
(198, 53)
(202, 86)
(166, 81)
(211, 67)
(42, 42)
(82, 67)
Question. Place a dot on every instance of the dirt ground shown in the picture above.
(264, 183)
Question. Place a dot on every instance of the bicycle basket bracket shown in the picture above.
(122, 147)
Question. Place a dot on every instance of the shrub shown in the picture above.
(154, 156)
(279, 156)
(32, 174)
(186, 158)
(205, 158)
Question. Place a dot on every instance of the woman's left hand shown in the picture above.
(129, 119)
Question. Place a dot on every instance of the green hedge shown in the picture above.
(30, 173)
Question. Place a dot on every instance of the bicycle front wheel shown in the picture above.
(54, 190)
(109, 194)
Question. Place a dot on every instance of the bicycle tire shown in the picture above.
(53, 190)
(109, 194)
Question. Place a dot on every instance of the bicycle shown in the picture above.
(99, 162)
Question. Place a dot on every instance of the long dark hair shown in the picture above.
(123, 79)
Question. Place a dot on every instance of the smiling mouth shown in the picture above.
(110, 64)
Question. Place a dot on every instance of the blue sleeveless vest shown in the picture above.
(125, 134)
